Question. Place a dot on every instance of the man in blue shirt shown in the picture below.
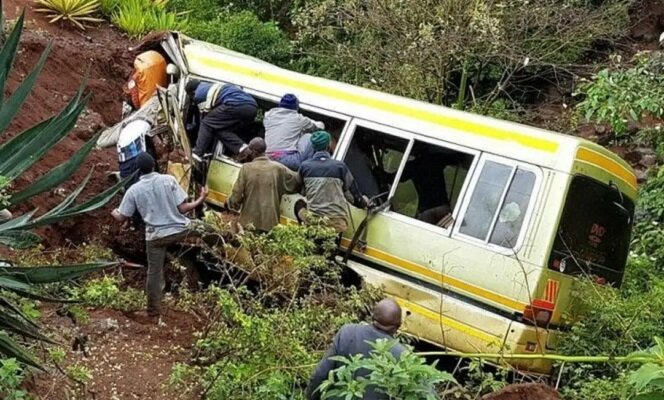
(226, 113)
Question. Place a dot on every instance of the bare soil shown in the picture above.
(128, 356)
(101, 53)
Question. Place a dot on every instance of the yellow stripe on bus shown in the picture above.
(380, 104)
(444, 279)
(217, 196)
(451, 323)
(602, 161)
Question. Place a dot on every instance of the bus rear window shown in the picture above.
(594, 232)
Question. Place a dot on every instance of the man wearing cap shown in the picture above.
(161, 202)
(258, 189)
(287, 133)
(354, 339)
(326, 183)
(226, 112)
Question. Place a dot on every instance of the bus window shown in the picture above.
(431, 182)
(594, 231)
(373, 158)
(498, 205)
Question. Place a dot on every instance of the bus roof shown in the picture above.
(520, 142)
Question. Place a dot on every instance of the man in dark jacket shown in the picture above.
(352, 339)
(327, 182)
(226, 112)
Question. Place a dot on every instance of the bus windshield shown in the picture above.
(594, 232)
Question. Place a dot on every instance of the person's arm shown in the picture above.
(322, 370)
(237, 195)
(185, 207)
(127, 208)
(351, 186)
(291, 181)
(309, 125)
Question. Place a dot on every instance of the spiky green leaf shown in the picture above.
(57, 175)
(8, 51)
(50, 274)
(19, 239)
(16, 100)
(10, 349)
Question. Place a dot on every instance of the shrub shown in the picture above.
(108, 7)
(618, 96)
(76, 12)
(245, 33)
(408, 377)
(11, 379)
(138, 17)
(106, 293)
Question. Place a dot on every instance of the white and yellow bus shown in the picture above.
(530, 209)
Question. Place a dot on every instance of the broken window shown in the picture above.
(430, 183)
(498, 204)
(373, 158)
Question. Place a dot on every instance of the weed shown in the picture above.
(77, 12)
(105, 292)
(79, 373)
(11, 379)
(57, 354)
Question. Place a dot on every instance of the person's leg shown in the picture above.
(219, 119)
(156, 252)
(304, 148)
(232, 142)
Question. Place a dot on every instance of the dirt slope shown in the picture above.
(104, 52)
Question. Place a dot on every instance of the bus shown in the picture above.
(527, 210)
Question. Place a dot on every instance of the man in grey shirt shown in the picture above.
(287, 133)
(161, 202)
(352, 339)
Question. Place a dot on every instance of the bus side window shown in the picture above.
(373, 158)
(498, 204)
(431, 182)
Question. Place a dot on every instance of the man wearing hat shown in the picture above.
(287, 133)
(161, 202)
(326, 182)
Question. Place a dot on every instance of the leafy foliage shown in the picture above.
(138, 17)
(648, 380)
(106, 292)
(408, 377)
(619, 96)
(11, 378)
(244, 32)
(76, 12)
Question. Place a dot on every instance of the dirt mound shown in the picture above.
(526, 391)
(103, 54)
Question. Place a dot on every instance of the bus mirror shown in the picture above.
(510, 213)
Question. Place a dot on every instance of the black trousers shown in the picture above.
(225, 123)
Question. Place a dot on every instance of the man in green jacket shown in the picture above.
(259, 187)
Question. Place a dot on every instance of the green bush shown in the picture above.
(11, 379)
(139, 17)
(408, 377)
(245, 33)
(106, 293)
(618, 96)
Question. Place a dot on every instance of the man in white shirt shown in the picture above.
(161, 202)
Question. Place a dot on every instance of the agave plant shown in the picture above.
(16, 156)
(75, 11)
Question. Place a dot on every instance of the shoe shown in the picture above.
(299, 205)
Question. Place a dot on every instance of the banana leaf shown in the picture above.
(19, 239)
(57, 175)
(51, 274)
(8, 51)
(10, 349)
(12, 106)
